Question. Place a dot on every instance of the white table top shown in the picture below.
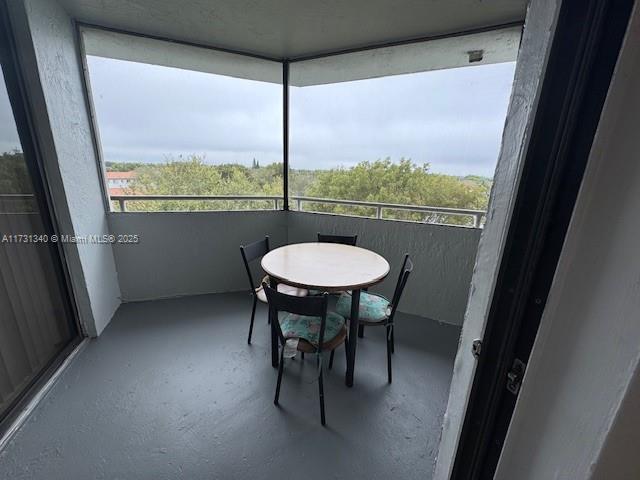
(325, 266)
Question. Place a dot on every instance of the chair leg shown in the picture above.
(280, 370)
(393, 343)
(302, 355)
(346, 351)
(360, 331)
(389, 332)
(331, 358)
(321, 391)
(253, 314)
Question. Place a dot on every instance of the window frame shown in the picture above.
(285, 64)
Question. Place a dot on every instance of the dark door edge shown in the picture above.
(23, 113)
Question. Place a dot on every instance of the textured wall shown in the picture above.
(197, 252)
(189, 253)
(443, 258)
(46, 40)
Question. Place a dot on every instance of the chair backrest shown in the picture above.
(250, 253)
(312, 306)
(343, 239)
(407, 268)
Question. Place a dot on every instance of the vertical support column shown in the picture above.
(285, 133)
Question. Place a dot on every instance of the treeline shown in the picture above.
(402, 182)
(14, 177)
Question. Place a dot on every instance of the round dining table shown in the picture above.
(327, 267)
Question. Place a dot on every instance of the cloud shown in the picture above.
(452, 119)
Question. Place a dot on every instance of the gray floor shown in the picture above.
(172, 390)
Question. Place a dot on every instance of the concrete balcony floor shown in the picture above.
(172, 390)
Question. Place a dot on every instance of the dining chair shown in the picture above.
(343, 239)
(376, 310)
(252, 252)
(307, 324)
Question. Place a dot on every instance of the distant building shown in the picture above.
(117, 182)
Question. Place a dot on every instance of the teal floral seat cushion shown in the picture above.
(373, 308)
(308, 328)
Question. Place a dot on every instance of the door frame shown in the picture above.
(583, 55)
(21, 109)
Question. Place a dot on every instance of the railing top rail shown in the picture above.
(360, 203)
(194, 197)
(396, 206)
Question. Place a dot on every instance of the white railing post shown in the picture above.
(379, 212)
(299, 204)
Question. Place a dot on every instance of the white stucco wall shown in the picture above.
(577, 415)
(46, 39)
(189, 253)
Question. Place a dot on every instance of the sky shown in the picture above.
(451, 119)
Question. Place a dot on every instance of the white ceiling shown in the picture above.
(294, 28)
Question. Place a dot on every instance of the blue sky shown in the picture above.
(452, 119)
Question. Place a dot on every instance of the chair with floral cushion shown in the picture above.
(376, 310)
(250, 253)
(305, 325)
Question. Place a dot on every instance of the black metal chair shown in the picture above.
(343, 239)
(250, 253)
(376, 310)
(307, 322)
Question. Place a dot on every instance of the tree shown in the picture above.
(194, 177)
(15, 179)
(400, 183)
(384, 181)
(14, 176)
(122, 166)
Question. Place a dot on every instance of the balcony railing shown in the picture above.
(299, 202)
(18, 204)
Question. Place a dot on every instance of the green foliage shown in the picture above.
(401, 183)
(194, 177)
(122, 166)
(14, 177)
(404, 183)
(301, 180)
